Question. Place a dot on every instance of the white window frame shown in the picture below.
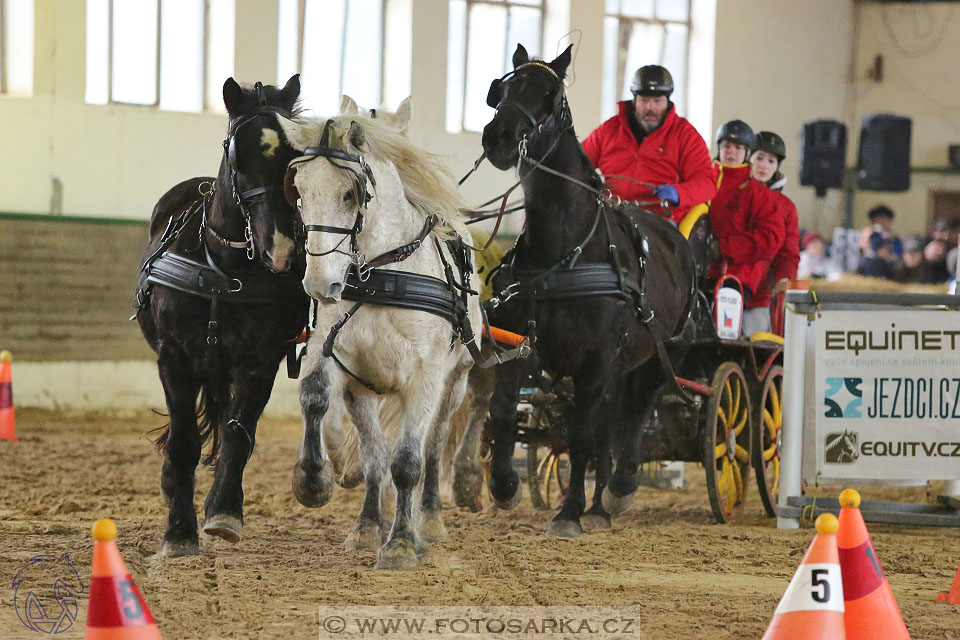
(207, 105)
(507, 54)
(625, 28)
(382, 63)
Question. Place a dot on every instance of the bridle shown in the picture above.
(250, 197)
(362, 195)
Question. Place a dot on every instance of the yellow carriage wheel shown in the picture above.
(548, 475)
(726, 442)
(766, 453)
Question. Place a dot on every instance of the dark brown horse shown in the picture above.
(220, 300)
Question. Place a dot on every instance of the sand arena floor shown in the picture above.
(692, 578)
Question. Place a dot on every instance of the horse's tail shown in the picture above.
(209, 413)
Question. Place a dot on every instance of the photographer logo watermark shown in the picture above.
(46, 592)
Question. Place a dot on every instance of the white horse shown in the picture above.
(405, 355)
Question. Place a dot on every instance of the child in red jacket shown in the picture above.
(765, 163)
(743, 214)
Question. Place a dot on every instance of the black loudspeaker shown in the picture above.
(823, 151)
(884, 158)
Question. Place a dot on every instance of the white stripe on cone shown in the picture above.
(815, 587)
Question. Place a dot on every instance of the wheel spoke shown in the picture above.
(735, 399)
(777, 405)
(722, 418)
(724, 480)
(742, 454)
(732, 487)
(769, 453)
(742, 420)
(776, 477)
(769, 423)
(738, 482)
(721, 450)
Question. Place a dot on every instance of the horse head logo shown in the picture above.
(45, 594)
(842, 447)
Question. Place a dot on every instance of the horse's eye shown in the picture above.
(348, 196)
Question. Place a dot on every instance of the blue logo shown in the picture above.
(843, 398)
(45, 594)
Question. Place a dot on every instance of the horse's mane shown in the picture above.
(428, 184)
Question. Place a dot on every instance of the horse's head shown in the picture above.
(255, 157)
(525, 99)
(399, 119)
(335, 185)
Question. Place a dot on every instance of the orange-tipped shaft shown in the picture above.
(8, 428)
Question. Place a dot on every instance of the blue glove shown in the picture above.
(669, 193)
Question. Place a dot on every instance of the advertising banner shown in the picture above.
(888, 394)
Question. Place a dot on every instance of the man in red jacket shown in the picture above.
(765, 163)
(744, 214)
(648, 142)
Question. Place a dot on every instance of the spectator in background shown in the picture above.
(935, 254)
(914, 269)
(881, 222)
(882, 262)
(814, 261)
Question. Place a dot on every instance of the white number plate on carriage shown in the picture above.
(887, 394)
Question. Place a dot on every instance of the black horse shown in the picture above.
(221, 302)
(600, 282)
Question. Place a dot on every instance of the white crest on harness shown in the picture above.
(269, 141)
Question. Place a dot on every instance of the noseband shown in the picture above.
(259, 195)
(362, 196)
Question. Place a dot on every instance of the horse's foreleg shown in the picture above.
(249, 393)
(432, 528)
(639, 387)
(504, 482)
(312, 475)
(467, 468)
(182, 452)
(596, 517)
(363, 408)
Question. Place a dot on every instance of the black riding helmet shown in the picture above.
(652, 80)
(771, 143)
(737, 131)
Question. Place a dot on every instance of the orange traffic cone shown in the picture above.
(812, 606)
(952, 596)
(871, 611)
(8, 429)
(117, 610)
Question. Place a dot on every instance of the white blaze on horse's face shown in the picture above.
(326, 198)
(269, 142)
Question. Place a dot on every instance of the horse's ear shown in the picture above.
(290, 92)
(520, 56)
(348, 106)
(290, 192)
(404, 112)
(357, 136)
(562, 61)
(232, 95)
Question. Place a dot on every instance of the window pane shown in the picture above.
(135, 51)
(611, 50)
(612, 6)
(637, 8)
(673, 10)
(287, 39)
(98, 51)
(675, 60)
(322, 38)
(18, 41)
(523, 27)
(181, 55)
(362, 53)
(485, 61)
(532, 3)
(456, 51)
(220, 44)
(398, 51)
(646, 43)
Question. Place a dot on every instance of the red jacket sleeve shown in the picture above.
(591, 146)
(765, 235)
(785, 263)
(697, 180)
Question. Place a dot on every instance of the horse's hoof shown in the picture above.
(179, 548)
(363, 539)
(512, 501)
(313, 489)
(564, 529)
(467, 484)
(350, 481)
(595, 522)
(432, 530)
(615, 505)
(224, 526)
(398, 555)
